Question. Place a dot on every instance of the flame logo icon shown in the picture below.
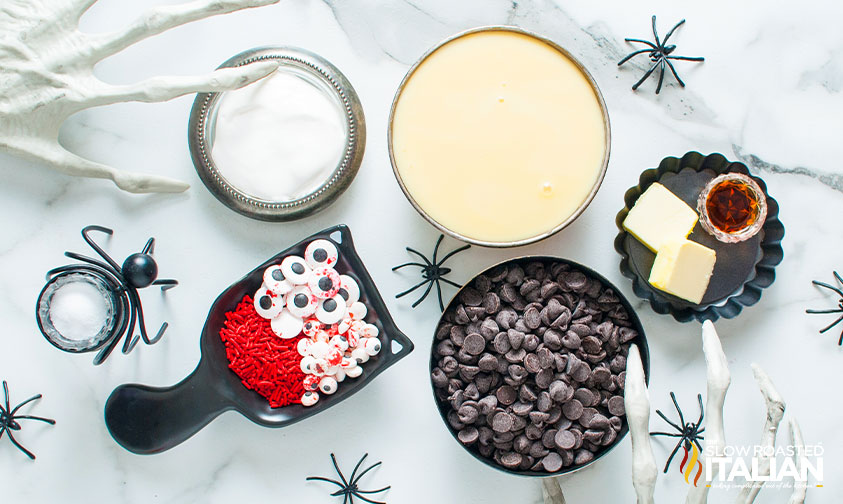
(686, 467)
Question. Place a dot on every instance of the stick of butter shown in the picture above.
(659, 216)
(683, 268)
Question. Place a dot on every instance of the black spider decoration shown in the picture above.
(9, 419)
(839, 308)
(348, 488)
(432, 271)
(660, 55)
(139, 270)
(687, 432)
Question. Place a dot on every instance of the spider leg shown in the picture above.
(621, 62)
(659, 413)
(21, 405)
(117, 334)
(30, 417)
(670, 458)
(670, 434)
(815, 312)
(827, 286)
(384, 489)
(334, 460)
(675, 74)
(839, 319)
(411, 289)
(655, 33)
(6, 394)
(166, 283)
(97, 249)
(642, 41)
(95, 262)
(414, 251)
(699, 446)
(680, 23)
(21, 448)
(686, 58)
(439, 294)
(702, 410)
(142, 323)
(838, 277)
(370, 501)
(320, 478)
(451, 253)
(676, 404)
(409, 264)
(458, 286)
(423, 296)
(149, 247)
(650, 71)
(131, 338)
(661, 76)
(364, 472)
(436, 249)
(352, 479)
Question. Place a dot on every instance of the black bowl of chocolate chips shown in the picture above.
(528, 365)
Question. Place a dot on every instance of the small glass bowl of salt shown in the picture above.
(77, 312)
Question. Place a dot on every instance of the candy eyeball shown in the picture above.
(274, 280)
(322, 336)
(349, 290)
(334, 357)
(339, 376)
(328, 385)
(309, 398)
(307, 363)
(295, 270)
(310, 327)
(321, 253)
(331, 310)
(303, 346)
(339, 342)
(358, 310)
(354, 372)
(359, 354)
(320, 367)
(267, 303)
(319, 349)
(324, 283)
(301, 302)
(286, 325)
(311, 382)
(372, 346)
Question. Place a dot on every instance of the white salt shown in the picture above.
(280, 138)
(78, 311)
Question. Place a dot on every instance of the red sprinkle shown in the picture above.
(264, 362)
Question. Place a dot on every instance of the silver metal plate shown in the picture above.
(200, 131)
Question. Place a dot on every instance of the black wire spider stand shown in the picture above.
(138, 270)
(839, 308)
(9, 419)
(432, 271)
(348, 487)
(686, 432)
(660, 54)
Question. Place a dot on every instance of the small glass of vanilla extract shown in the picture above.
(732, 207)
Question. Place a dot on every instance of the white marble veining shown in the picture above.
(769, 94)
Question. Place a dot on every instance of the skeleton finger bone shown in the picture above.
(637, 404)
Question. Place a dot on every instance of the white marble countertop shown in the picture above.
(768, 94)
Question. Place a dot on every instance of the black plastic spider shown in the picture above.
(432, 271)
(688, 432)
(9, 419)
(348, 488)
(139, 270)
(839, 308)
(660, 55)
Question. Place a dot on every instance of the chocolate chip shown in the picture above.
(548, 438)
(501, 422)
(544, 402)
(469, 435)
(561, 392)
(572, 409)
(522, 409)
(487, 362)
(565, 440)
(586, 416)
(467, 414)
(544, 378)
(514, 356)
(516, 338)
(537, 449)
(471, 297)
(616, 406)
(585, 396)
(552, 462)
(583, 457)
(511, 459)
(474, 344)
(609, 437)
(501, 343)
(532, 363)
(506, 395)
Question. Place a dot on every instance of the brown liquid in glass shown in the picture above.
(732, 206)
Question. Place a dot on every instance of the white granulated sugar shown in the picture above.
(280, 138)
(78, 311)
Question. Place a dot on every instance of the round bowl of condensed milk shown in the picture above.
(499, 137)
